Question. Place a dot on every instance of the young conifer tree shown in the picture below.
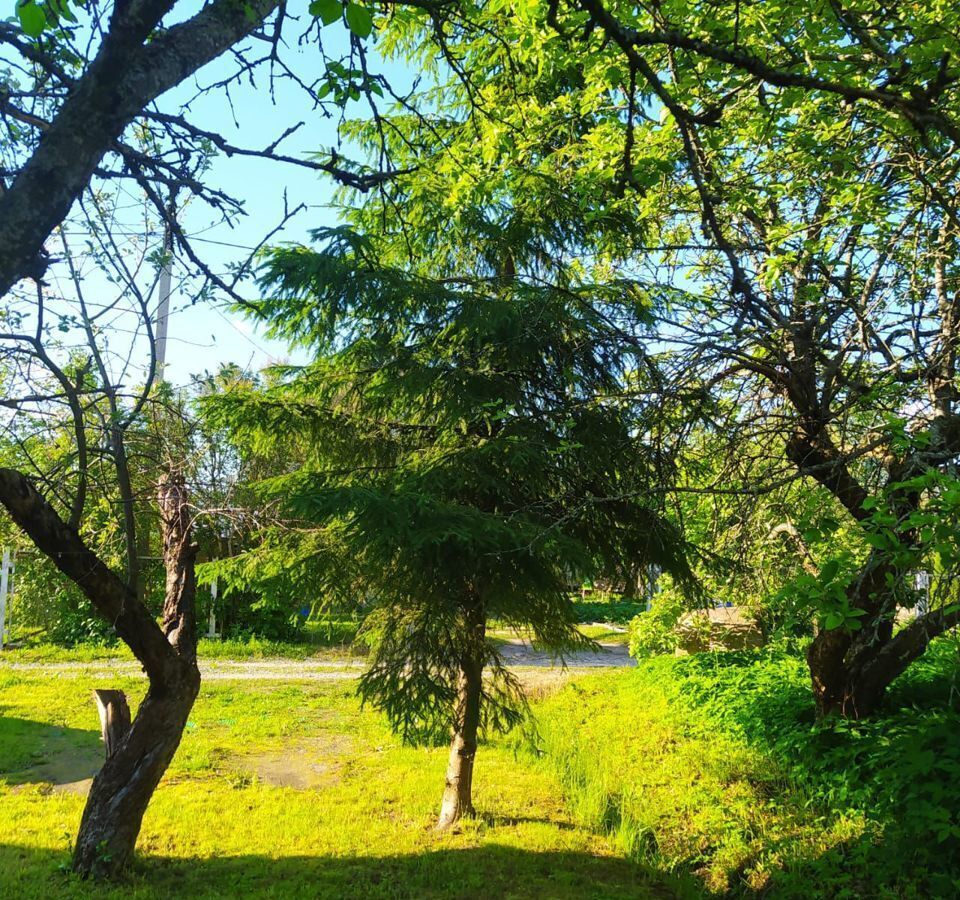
(477, 451)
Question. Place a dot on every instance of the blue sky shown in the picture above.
(202, 336)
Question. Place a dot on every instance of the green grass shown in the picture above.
(606, 634)
(694, 776)
(358, 821)
(712, 766)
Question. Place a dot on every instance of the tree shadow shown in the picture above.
(41, 753)
(483, 872)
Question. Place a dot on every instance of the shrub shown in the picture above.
(712, 766)
(610, 608)
(655, 631)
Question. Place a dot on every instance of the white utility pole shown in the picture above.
(212, 630)
(922, 583)
(5, 566)
(163, 307)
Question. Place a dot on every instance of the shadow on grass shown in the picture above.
(37, 752)
(484, 872)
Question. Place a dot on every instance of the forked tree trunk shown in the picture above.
(458, 790)
(851, 671)
(837, 690)
(839, 659)
(123, 787)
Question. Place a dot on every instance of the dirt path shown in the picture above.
(517, 653)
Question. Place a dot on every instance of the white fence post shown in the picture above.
(212, 630)
(4, 587)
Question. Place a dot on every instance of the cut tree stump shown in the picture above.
(114, 718)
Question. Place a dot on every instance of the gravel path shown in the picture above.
(520, 653)
(516, 652)
(212, 669)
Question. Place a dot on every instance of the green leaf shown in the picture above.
(328, 11)
(32, 19)
(359, 20)
(834, 620)
(60, 9)
(830, 570)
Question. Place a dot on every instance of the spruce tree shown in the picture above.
(477, 450)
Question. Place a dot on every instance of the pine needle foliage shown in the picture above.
(474, 450)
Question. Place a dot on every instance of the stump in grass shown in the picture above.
(114, 718)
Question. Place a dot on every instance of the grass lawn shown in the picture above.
(291, 790)
(324, 639)
(696, 776)
(605, 633)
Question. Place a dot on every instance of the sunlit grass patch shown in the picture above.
(605, 633)
(223, 824)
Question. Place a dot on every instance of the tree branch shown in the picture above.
(113, 599)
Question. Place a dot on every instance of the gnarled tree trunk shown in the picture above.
(458, 790)
(851, 670)
(123, 787)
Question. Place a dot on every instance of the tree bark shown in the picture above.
(852, 682)
(179, 560)
(837, 656)
(114, 718)
(112, 598)
(135, 65)
(850, 671)
(122, 789)
(458, 790)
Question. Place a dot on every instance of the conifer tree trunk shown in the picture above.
(122, 789)
(458, 790)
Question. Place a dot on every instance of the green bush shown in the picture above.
(244, 615)
(712, 766)
(46, 606)
(655, 631)
(901, 769)
(601, 606)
